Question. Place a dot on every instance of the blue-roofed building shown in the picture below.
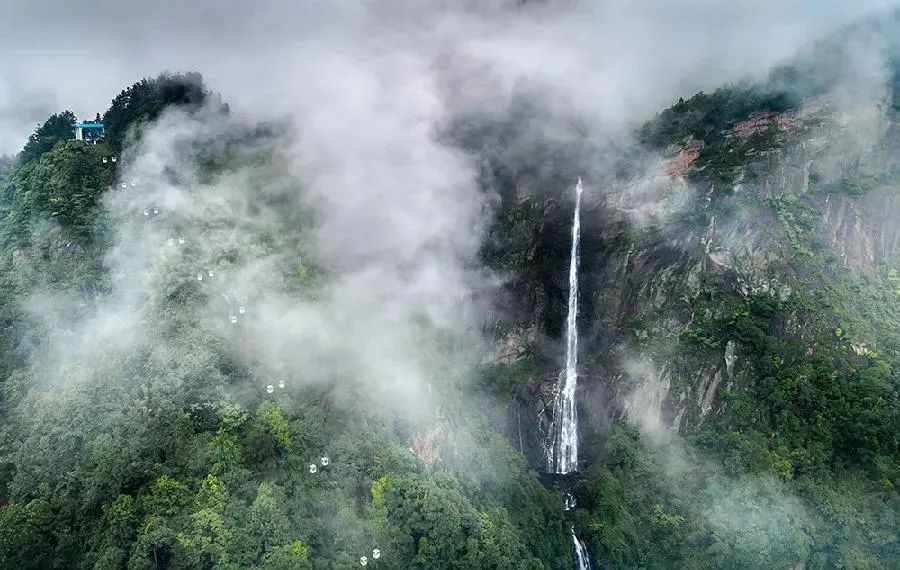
(89, 132)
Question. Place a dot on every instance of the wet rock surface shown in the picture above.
(640, 280)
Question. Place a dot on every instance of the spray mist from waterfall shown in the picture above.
(563, 457)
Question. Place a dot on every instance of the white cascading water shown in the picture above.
(563, 456)
(582, 558)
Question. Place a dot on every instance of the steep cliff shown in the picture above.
(722, 287)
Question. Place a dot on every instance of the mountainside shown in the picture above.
(741, 312)
(193, 378)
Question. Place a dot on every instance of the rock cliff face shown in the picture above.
(864, 231)
(734, 227)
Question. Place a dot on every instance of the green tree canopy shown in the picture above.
(59, 127)
(65, 185)
(147, 99)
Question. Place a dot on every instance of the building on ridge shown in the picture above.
(89, 132)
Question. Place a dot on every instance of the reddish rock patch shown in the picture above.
(758, 122)
(677, 167)
(422, 446)
(755, 124)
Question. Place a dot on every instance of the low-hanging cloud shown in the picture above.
(364, 89)
(618, 59)
(359, 184)
(393, 232)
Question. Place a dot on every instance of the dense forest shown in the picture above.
(171, 396)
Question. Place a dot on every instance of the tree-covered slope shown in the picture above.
(139, 433)
(739, 392)
(188, 379)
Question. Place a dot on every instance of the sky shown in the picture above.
(617, 59)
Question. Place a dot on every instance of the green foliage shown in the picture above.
(64, 185)
(164, 455)
(809, 411)
(434, 522)
(225, 450)
(147, 99)
(705, 115)
(266, 527)
(26, 530)
(797, 462)
(154, 456)
(212, 494)
(818, 397)
(166, 497)
(206, 541)
(275, 423)
(798, 221)
(501, 378)
(664, 519)
(726, 161)
(859, 184)
(58, 128)
(293, 556)
(661, 506)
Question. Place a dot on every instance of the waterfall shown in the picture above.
(563, 456)
(519, 424)
(582, 558)
(569, 502)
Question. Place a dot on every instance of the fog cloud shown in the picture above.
(358, 187)
(617, 59)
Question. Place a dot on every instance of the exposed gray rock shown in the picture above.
(864, 231)
(730, 357)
